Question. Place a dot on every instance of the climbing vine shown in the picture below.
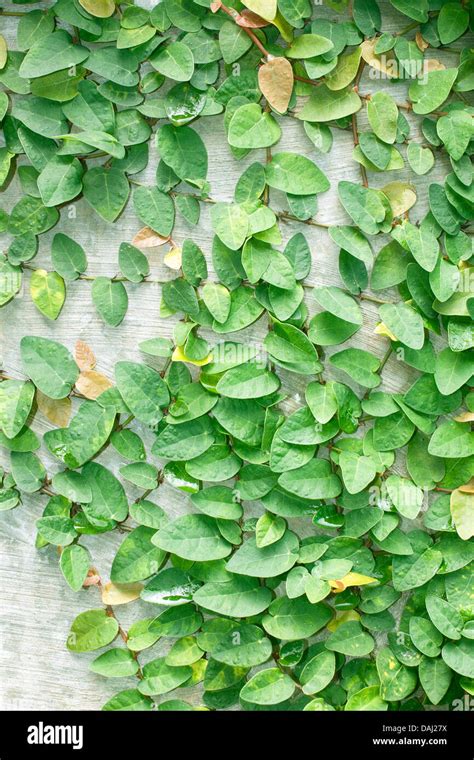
(325, 558)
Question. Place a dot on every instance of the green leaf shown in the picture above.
(155, 209)
(338, 303)
(239, 597)
(453, 20)
(435, 677)
(267, 561)
(268, 687)
(217, 299)
(250, 380)
(194, 537)
(52, 52)
(293, 619)
(75, 562)
(107, 191)
(357, 472)
(296, 174)
(444, 617)
(115, 663)
(452, 440)
(175, 61)
(396, 680)
(110, 299)
(382, 114)
(60, 180)
(350, 639)
(314, 480)
(143, 390)
(363, 205)
(243, 646)
(453, 369)
(404, 322)
(183, 150)
(252, 128)
(420, 159)
(16, 399)
(429, 94)
(329, 105)
(137, 557)
(367, 698)
(91, 630)
(230, 223)
(50, 366)
(67, 257)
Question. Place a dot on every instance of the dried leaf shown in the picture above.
(114, 594)
(386, 63)
(93, 578)
(91, 384)
(250, 20)
(84, 356)
(275, 79)
(57, 411)
(173, 258)
(148, 238)
(421, 43)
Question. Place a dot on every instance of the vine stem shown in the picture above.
(355, 132)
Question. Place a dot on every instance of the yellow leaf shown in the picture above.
(341, 618)
(57, 411)
(465, 417)
(98, 8)
(386, 63)
(91, 384)
(173, 258)
(356, 579)
(114, 594)
(382, 329)
(351, 579)
(84, 356)
(285, 29)
(468, 487)
(267, 9)
(401, 195)
(275, 79)
(148, 238)
(462, 512)
(179, 356)
(3, 51)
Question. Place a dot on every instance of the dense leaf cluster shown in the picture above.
(325, 560)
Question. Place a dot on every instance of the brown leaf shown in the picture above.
(92, 579)
(84, 356)
(57, 411)
(432, 64)
(215, 6)
(147, 238)
(250, 20)
(91, 384)
(420, 42)
(114, 594)
(386, 63)
(275, 79)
